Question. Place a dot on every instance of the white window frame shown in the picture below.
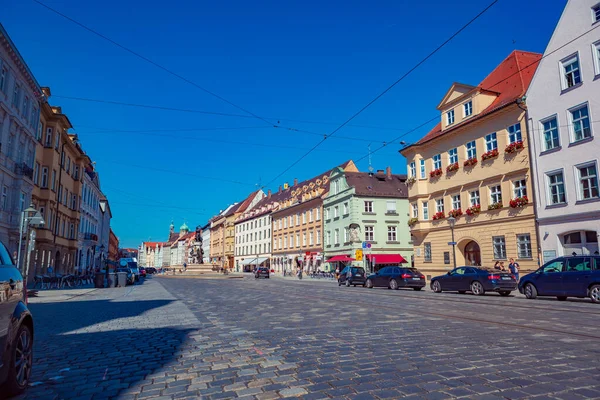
(346, 208)
(45, 172)
(422, 170)
(369, 233)
(450, 117)
(346, 235)
(566, 62)
(524, 239)
(318, 238)
(425, 208)
(336, 236)
(514, 133)
(596, 56)
(572, 122)
(520, 188)
(390, 206)
(550, 185)
(336, 211)
(318, 211)
(427, 252)
(553, 129)
(453, 156)
(491, 141)
(471, 149)
(499, 247)
(392, 234)
(310, 238)
(327, 214)
(310, 215)
(415, 210)
(368, 206)
(596, 13)
(437, 161)
(579, 179)
(468, 109)
(456, 202)
(328, 238)
(495, 195)
(439, 205)
(413, 169)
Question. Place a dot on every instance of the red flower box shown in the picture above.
(435, 173)
(470, 162)
(514, 147)
(495, 206)
(438, 215)
(455, 213)
(490, 154)
(452, 167)
(473, 210)
(519, 202)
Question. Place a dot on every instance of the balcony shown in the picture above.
(90, 236)
(23, 169)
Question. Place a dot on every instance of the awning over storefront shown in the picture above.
(254, 261)
(340, 258)
(387, 258)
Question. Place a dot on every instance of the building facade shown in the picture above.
(206, 243)
(90, 220)
(20, 97)
(58, 180)
(230, 217)
(297, 224)
(105, 218)
(474, 166)
(562, 101)
(113, 246)
(365, 208)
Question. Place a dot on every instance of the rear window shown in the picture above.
(413, 271)
(357, 269)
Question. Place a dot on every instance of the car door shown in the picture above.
(343, 275)
(548, 281)
(382, 277)
(11, 292)
(451, 281)
(463, 282)
(576, 276)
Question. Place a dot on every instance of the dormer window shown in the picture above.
(468, 109)
(450, 117)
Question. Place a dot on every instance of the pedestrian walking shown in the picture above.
(184, 267)
(497, 265)
(514, 268)
(337, 273)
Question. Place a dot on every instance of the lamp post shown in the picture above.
(452, 222)
(106, 268)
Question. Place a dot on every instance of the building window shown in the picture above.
(413, 170)
(336, 211)
(297, 219)
(392, 234)
(391, 206)
(369, 233)
(318, 237)
(280, 242)
(310, 215)
(520, 188)
(524, 246)
(474, 198)
(495, 194)
(304, 217)
(588, 182)
(556, 188)
(327, 217)
(415, 210)
(304, 239)
(551, 139)
(596, 13)
(345, 235)
(453, 156)
(297, 240)
(328, 238)
(499, 248)
(427, 251)
(596, 50)
(318, 214)
(471, 150)
(280, 223)
(456, 202)
(16, 96)
(345, 208)
(36, 173)
(336, 236)
(468, 109)
(53, 183)
(291, 237)
(3, 78)
(310, 238)
(491, 142)
(439, 205)
(4, 198)
(368, 206)
(514, 133)
(581, 123)
(422, 168)
(425, 211)
(571, 73)
(437, 161)
(450, 117)
(44, 183)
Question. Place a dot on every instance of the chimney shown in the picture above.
(388, 172)
(295, 181)
(379, 172)
(279, 189)
(269, 194)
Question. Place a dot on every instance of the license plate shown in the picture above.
(506, 278)
(416, 279)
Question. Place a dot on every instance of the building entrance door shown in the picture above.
(472, 254)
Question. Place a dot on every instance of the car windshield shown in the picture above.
(357, 270)
(413, 271)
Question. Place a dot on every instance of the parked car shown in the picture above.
(16, 329)
(573, 276)
(358, 276)
(261, 272)
(395, 277)
(142, 272)
(150, 270)
(476, 280)
(134, 270)
(130, 276)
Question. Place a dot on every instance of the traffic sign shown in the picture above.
(451, 243)
(359, 255)
(368, 245)
(364, 245)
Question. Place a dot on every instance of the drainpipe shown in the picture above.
(534, 178)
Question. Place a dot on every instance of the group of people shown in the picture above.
(513, 267)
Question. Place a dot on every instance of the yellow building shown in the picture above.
(474, 165)
(58, 170)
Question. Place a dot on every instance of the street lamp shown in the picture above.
(452, 222)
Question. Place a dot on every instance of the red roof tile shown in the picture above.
(510, 80)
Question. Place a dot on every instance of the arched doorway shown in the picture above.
(472, 254)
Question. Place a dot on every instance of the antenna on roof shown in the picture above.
(371, 169)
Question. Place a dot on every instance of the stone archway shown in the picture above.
(472, 253)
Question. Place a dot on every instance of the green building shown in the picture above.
(366, 209)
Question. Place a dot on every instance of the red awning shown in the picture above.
(387, 258)
(340, 258)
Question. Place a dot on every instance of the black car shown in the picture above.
(151, 270)
(573, 276)
(16, 329)
(357, 278)
(262, 272)
(395, 277)
(477, 280)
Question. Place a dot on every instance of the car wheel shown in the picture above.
(595, 293)
(477, 288)
(436, 287)
(462, 292)
(530, 291)
(393, 284)
(504, 293)
(369, 284)
(561, 298)
(21, 359)
(417, 289)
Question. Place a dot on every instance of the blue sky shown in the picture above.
(307, 64)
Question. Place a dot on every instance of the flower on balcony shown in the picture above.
(455, 213)
(495, 206)
(439, 215)
(476, 209)
(452, 167)
(470, 162)
(412, 221)
(435, 173)
(490, 154)
(514, 147)
(411, 180)
(519, 202)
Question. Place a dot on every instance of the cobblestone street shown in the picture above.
(243, 338)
